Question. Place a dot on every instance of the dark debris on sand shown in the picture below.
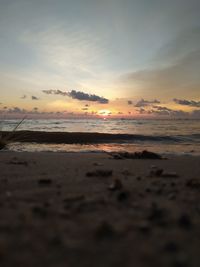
(45, 181)
(136, 155)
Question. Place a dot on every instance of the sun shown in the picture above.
(104, 112)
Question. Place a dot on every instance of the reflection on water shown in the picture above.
(141, 127)
(155, 147)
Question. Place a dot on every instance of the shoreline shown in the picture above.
(80, 137)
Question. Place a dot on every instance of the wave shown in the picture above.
(95, 138)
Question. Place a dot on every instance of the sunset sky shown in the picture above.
(100, 58)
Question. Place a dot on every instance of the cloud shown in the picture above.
(16, 110)
(184, 102)
(174, 69)
(141, 111)
(165, 111)
(130, 102)
(23, 97)
(78, 95)
(144, 103)
(87, 97)
(161, 108)
(34, 97)
(170, 113)
(55, 92)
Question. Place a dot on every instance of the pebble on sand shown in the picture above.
(116, 185)
(44, 181)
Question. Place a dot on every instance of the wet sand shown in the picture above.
(73, 209)
(77, 137)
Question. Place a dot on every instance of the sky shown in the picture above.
(131, 58)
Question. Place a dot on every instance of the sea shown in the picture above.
(174, 136)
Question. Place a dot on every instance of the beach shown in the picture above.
(98, 209)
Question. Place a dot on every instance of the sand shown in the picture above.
(73, 209)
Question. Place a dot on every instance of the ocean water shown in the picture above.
(164, 136)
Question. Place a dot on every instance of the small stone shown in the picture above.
(148, 190)
(98, 164)
(116, 185)
(156, 172)
(193, 183)
(185, 222)
(44, 181)
(16, 162)
(123, 196)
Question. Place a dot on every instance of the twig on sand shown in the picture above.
(6, 139)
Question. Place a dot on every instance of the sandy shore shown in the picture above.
(93, 210)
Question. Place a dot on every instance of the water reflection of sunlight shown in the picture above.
(159, 148)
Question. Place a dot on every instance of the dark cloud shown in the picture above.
(184, 102)
(141, 111)
(144, 103)
(16, 110)
(84, 108)
(171, 113)
(130, 102)
(55, 92)
(34, 97)
(160, 108)
(78, 95)
(164, 111)
(87, 97)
